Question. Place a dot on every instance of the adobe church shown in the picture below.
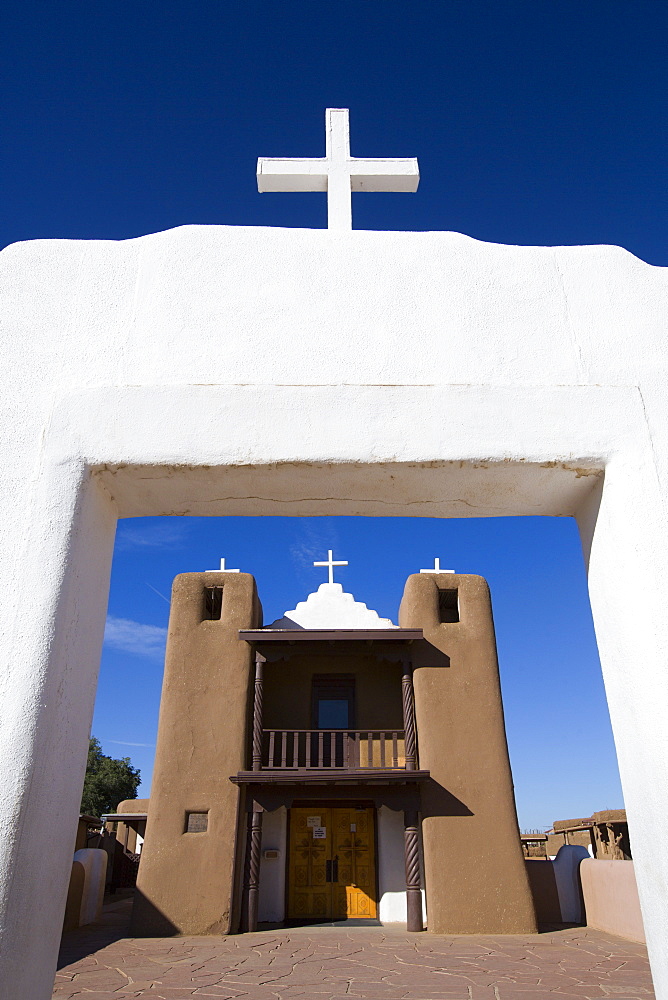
(331, 765)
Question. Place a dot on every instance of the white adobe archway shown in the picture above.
(214, 370)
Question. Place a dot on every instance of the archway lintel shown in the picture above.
(375, 489)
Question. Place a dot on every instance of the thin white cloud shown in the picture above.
(314, 538)
(165, 599)
(168, 534)
(135, 637)
(125, 743)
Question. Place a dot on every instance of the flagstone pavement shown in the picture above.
(337, 963)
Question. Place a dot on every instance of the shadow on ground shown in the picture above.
(113, 925)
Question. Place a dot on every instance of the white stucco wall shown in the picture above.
(420, 374)
(392, 869)
(566, 867)
(271, 904)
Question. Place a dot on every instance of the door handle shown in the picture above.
(332, 869)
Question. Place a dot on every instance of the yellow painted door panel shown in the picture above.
(353, 845)
(309, 891)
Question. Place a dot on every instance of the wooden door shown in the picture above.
(354, 851)
(331, 870)
(309, 884)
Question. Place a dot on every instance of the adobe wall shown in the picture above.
(72, 918)
(611, 899)
(565, 831)
(544, 891)
(133, 806)
(462, 742)
(125, 807)
(185, 882)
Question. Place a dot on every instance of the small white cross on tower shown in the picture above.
(338, 173)
(223, 569)
(330, 563)
(437, 568)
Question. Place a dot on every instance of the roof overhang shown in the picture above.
(123, 817)
(320, 777)
(397, 635)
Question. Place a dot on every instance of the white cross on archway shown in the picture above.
(331, 563)
(223, 569)
(338, 173)
(437, 568)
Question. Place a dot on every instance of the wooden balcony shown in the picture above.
(330, 757)
(333, 749)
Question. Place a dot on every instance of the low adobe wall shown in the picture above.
(555, 886)
(544, 891)
(611, 898)
(74, 897)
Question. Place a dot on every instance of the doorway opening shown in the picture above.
(331, 863)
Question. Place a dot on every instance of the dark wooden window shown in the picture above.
(213, 604)
(333, 701)
(448, 606)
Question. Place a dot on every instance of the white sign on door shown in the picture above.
(313, 821)
(319, 832)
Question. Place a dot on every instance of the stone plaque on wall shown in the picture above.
(197, 822)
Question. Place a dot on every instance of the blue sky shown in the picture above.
(534, 121)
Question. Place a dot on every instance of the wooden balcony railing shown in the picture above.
(343, 749)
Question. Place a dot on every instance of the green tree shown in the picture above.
(107, 781)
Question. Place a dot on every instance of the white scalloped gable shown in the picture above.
(331, 607)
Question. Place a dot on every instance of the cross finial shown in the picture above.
(338, 173)
(437, 568)
(223, 569)
(331, 563)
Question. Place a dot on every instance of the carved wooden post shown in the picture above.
(410, 732)
(251, 891)
(257, 714)
(254, 867)
(413, 888)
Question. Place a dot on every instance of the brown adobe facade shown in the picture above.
(265, 807)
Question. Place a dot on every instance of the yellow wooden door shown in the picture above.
(331, 869)
(353, 853)
(309, 886)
